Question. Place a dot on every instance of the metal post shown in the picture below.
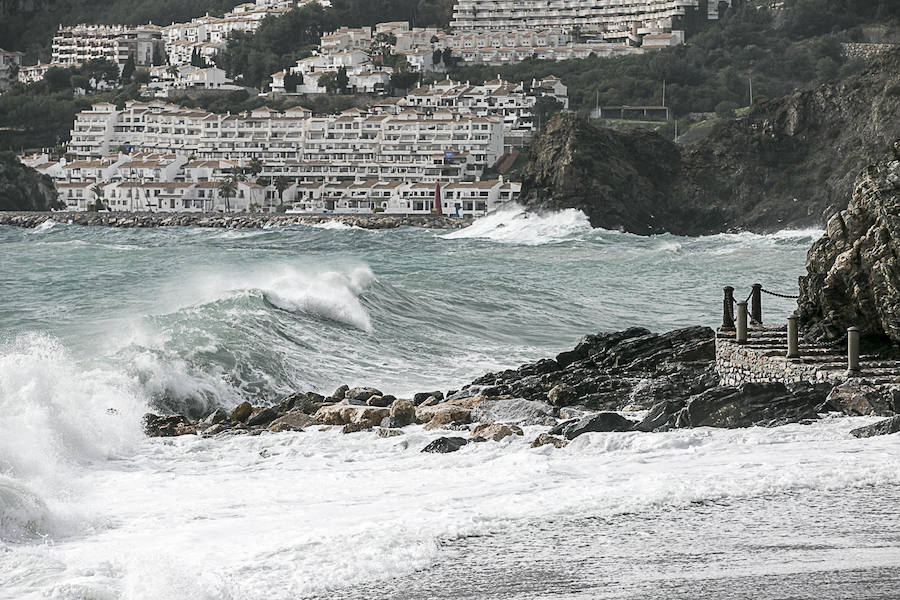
(756, 304)
(741, 337)
(727, 309)
(853, 352)
(793, 346)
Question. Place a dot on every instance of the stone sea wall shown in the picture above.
(228, 221)
(763, 360)
(865, 51)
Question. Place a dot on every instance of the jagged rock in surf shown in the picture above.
(599, 423)
(885, 427)
(443, 445)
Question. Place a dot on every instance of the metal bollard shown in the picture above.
(756, 304)
(793, 349)
(853, 352)
(727, 306)
(741, 336)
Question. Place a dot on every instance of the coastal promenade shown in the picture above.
(229, 220)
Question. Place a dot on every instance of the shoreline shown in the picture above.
(31, 220)
(626, 381)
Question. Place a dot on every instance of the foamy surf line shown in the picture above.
(512, 223)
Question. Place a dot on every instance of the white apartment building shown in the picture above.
(362, 74)
(410, 144)
(613, 20)
(167, 80)
(80, 43)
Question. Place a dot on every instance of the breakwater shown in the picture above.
(230, 220)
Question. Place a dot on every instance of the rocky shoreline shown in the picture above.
(229, 221)
(592, 388)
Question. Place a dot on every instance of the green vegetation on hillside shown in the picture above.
(40, 115)
(779, 50)
(23, 188)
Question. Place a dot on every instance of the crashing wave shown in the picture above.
(513, 224)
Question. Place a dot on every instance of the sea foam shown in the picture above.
(513, 224)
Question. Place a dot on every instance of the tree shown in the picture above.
(255, 166)
(282, 183)
(159, 56)
(128, 69)
(291, 81)
(227, 189)
(725, 109)
(544, 108)
(58, 79)
(329, 82)
(97, 190)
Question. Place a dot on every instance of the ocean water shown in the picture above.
(98, 326)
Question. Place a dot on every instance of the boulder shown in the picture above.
(443, 445)
(661, 416)
(600, 422)
(294, 420)
(163, 426)
(513, 410)
(496, 431)
(385, 432)
(402, 413)
(761, 404)
(340, 392)
(382, 401)
(855, 397)
(448, 413)
(470, 402)
(362, 393)
(307, 402)
(853, 271)
(343, 414)
(545, 439)
(885, 427)
(421, 397)
(215, 429)
(562, 395)
(261, 416)
(219, 416)
(241, 412)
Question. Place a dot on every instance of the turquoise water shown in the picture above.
(203, 317)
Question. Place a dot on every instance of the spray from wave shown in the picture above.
(513, 224)
(57, 419)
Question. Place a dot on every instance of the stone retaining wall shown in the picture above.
(763, 360)
(228, 221)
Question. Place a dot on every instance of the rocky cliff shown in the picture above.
(853, 271)
(23, 188)
(786, 163)
(621, 180)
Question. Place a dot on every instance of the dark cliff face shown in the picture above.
(23, 188)
(620, 180)
(790, 162)
(853, 271)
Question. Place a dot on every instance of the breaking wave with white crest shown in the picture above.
(332, 295)
(512, 223)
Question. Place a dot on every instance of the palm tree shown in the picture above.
(98, 195)
(282, 183)
(227, 188)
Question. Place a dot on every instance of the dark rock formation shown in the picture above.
(443, 445)
(620, 180)
(601, 422)
(788, 162)
(609, 371)
(23, 188)
(885, 427)
(752, 404)
(853, 271)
